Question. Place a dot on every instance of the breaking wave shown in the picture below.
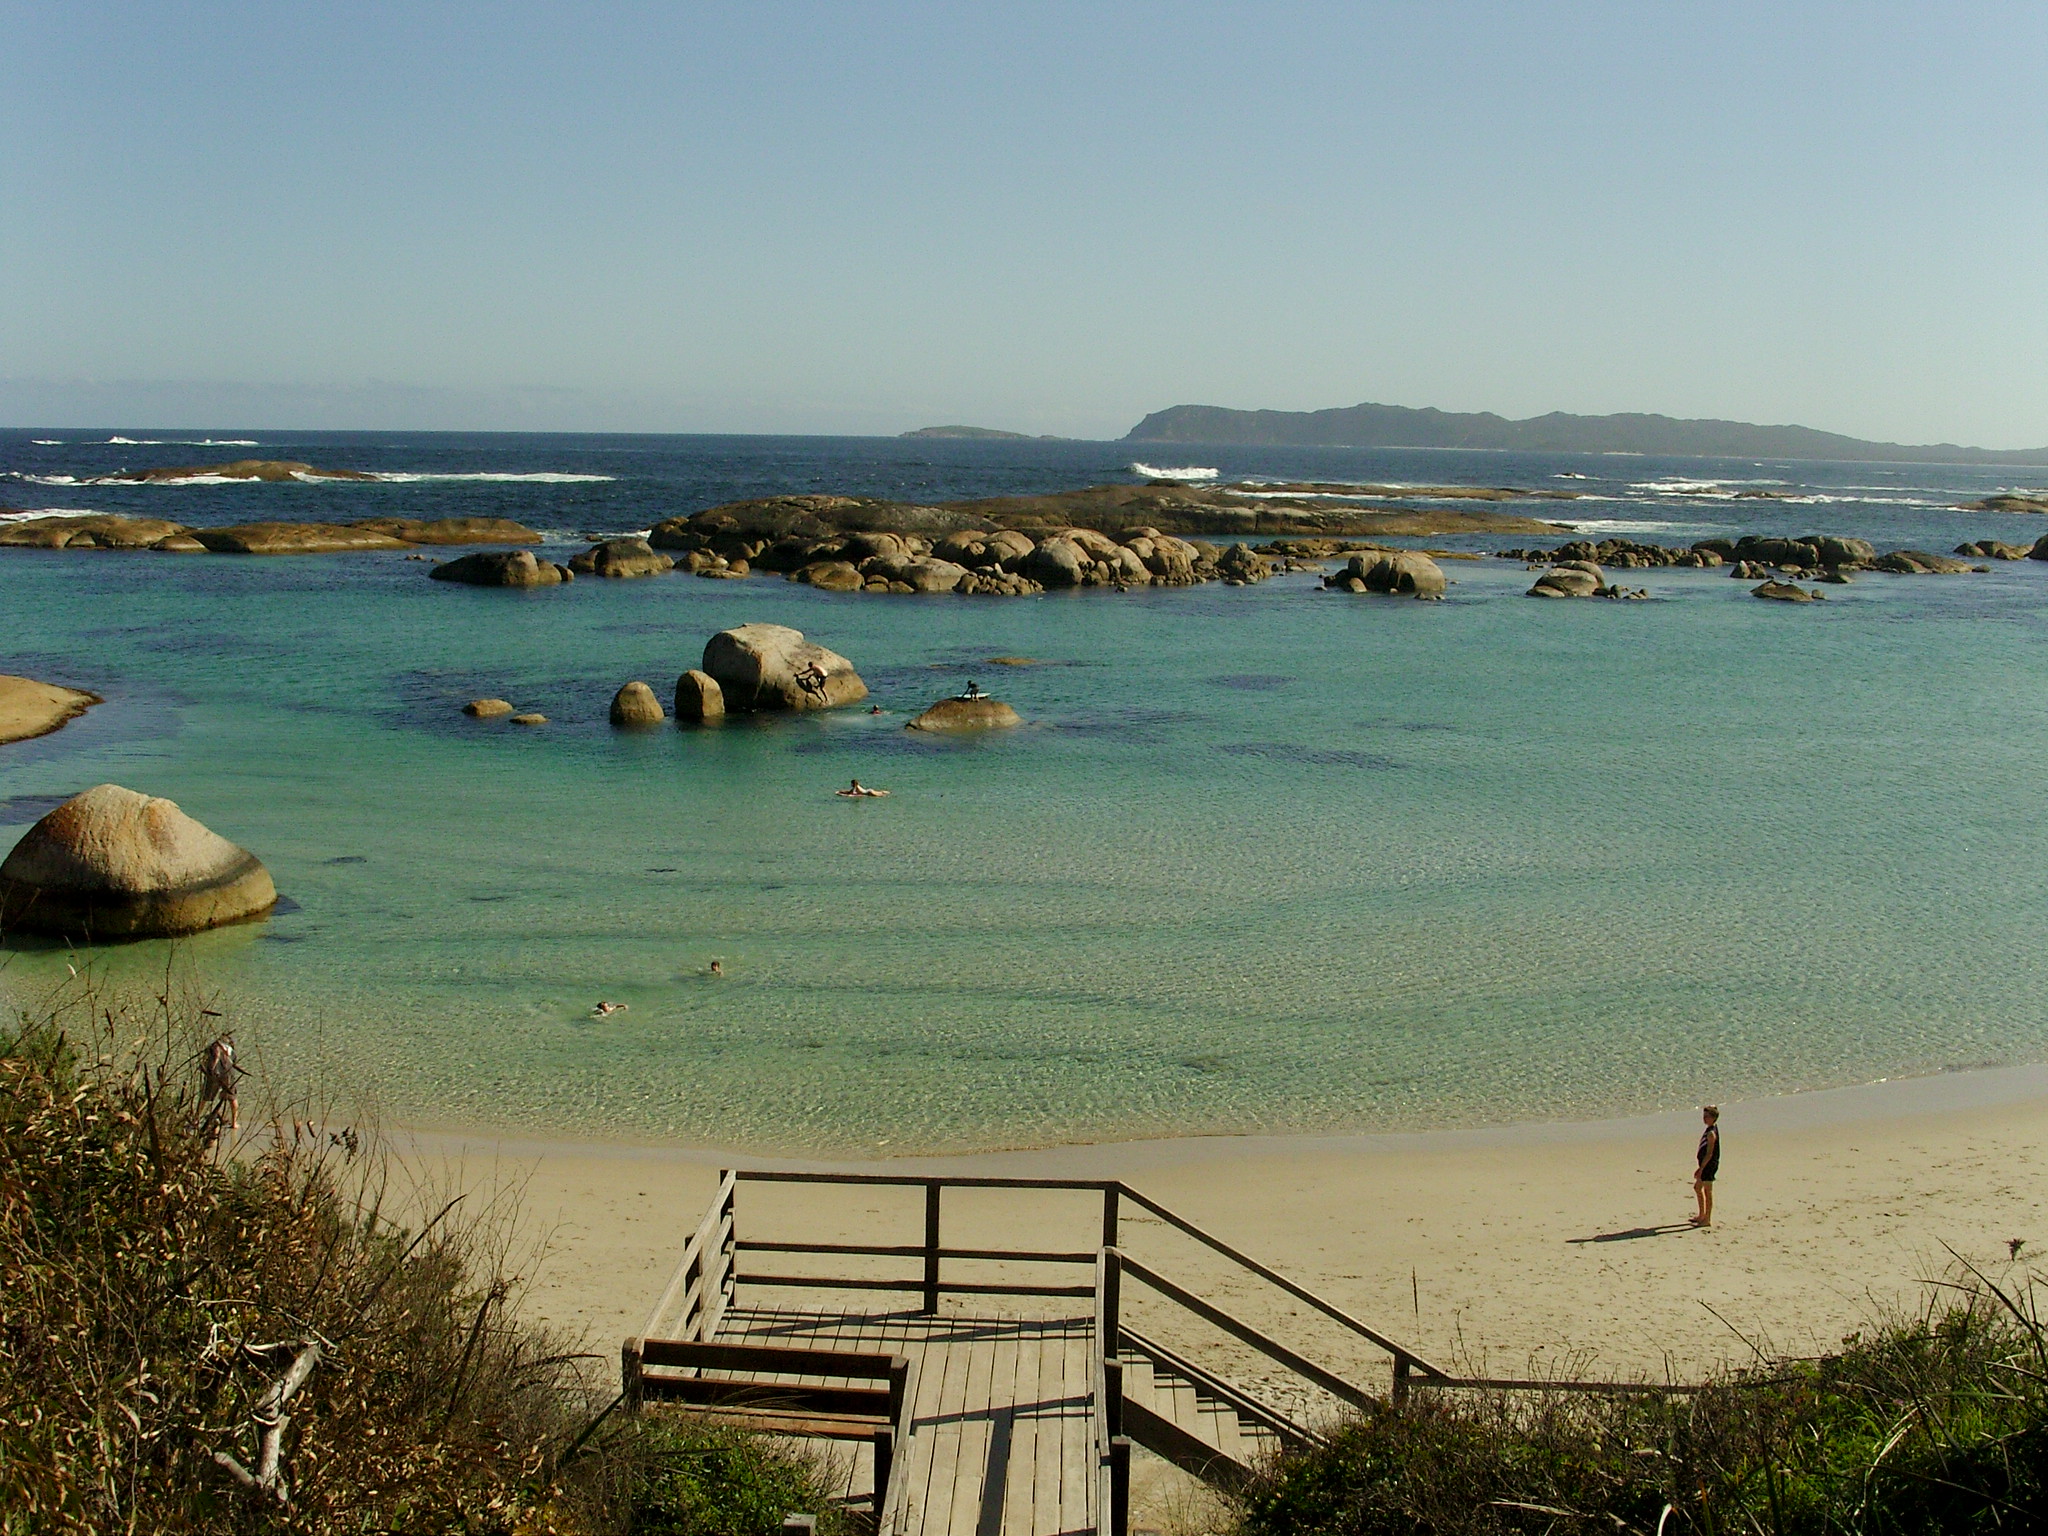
(184, 442)
(542, 478)
(1185, 472)
(392, 478)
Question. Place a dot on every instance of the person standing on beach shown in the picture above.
(1707, 1164)
(218, 1071)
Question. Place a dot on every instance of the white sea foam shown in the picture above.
(543, 478)
(47, 442)
(1185, 472)
(186, 442)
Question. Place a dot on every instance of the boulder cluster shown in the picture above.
(973, 562)
(1580, 578)
(1390, 573)
(1821, 557)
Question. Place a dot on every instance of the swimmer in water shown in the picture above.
(605, 1010)
(859, 791)
(717, 968)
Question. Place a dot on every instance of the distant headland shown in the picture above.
(1400, 426)
(984, 433)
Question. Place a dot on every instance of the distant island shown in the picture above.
(1400, 426)
(982, 432)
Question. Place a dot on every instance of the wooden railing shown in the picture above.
(716, 1257)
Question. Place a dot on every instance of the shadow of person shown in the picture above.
(1630, 1234)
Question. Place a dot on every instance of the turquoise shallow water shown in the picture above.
(1265, 859)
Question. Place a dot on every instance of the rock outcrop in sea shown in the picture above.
(502, 568)
(1391, 573)
(29, 708)
(621, 558)
(967, 714)
(698, 697)
(634, 705)
(97, 530)
(274, 470)
(113, 864)
(773, 667)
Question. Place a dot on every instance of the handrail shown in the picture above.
(693, 1250)
(1301, 1365)
(1241, 1402)
(1299, 1292)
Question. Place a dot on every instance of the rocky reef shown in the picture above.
(273, 470)
(502, 568)
(95, 530)
(1814, 557)
(773, 667)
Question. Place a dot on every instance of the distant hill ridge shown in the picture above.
(1400, 426)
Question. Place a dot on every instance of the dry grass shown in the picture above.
(208, 1333)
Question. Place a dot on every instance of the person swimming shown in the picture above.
(717, 968)
(859, 791)
(606, 1009)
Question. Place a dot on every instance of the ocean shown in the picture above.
(1263, 858)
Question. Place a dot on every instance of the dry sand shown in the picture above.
(1517, 1246)
(29, 708)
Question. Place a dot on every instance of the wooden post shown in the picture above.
(1120, 1486)
(885, 1459)
(1109, 1215)
(1402, 1366)
(931, 1246)
(1112, 1341)
(799, 1525)
(629, 1375)
(1113, 1396)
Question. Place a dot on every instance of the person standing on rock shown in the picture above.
(218, 1072)
(1706, 1165)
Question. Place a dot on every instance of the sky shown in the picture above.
(1049, 217)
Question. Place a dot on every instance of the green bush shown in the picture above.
(1937, 1423)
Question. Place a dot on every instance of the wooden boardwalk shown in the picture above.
(1003, 1438)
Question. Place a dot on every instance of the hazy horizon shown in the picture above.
(826, 219)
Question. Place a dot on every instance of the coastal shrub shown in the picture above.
(204, 1333)
(1931, 1423)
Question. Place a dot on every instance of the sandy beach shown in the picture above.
(1525, 1248)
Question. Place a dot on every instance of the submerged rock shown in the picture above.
(502, 568)
(487, 709)
(114, 864)
(959, 714)
(1785, 592)
(635, 704)
(1577, 578)
(698, 697)
(1918, 562)
(771, 666)
(530, 719)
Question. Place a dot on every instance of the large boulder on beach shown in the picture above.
(92, 530)
(958, 714)
(698, 697)
(759, 666)
(114, 864)
(502, 568)
(635, 704)
(293, 539)
(621, 558)
(451, 530)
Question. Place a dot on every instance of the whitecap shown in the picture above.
(1185, 472)
(15, 474)
(183, 442)
(47, 442)
(545, 478)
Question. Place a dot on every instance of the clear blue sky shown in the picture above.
(1052, 217)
